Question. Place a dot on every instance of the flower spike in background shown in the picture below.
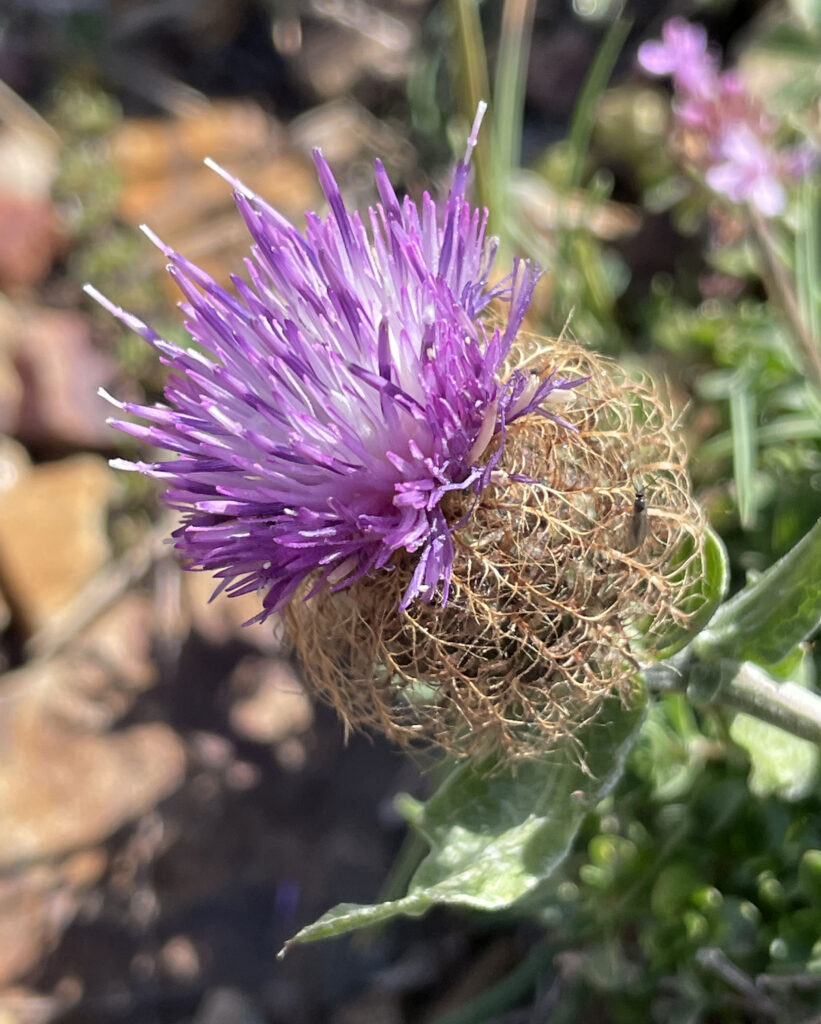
(729, 137)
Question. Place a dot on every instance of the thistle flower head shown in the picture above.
(356, 435)
(562, 580)
(335, 400)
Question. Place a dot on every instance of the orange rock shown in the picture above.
(275, 706)
(30, 238)
(52, 534)
(62, 789)
(153, 147)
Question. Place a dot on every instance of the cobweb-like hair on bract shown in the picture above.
(552, 598)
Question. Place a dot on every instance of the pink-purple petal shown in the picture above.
(339, 394)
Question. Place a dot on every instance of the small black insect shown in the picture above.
(637, 529)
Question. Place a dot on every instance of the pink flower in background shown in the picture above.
(749, 171)
(731, 133)
(682, 53)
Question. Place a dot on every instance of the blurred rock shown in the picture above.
(11, 386)
(346, 132)
(36, 905)
(22, 1006)
(166, 184)
(29, 150)
(60, 371)
(30, 234)
(52, 534)
(227, 1006)
(82, 870)
(98, 678)
(62, 789)
(275, 706)
(30, 239)
(551, 211)
(23, 914)
(14, 463)
(153, 148)
(223, 618)
(180, 960)
(121, 640)
(377, 44)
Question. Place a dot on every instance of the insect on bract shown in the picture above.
(637, 530)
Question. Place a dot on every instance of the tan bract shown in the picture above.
(560, 586)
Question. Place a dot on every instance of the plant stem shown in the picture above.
(584, 115)
(473, 86)
(787, 705)
(749, 689)
(508, 103)
(782, 292)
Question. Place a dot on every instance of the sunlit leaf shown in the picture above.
(498, 833)
(780, 764)
(742, 421)
(765, 621)
(808, 12)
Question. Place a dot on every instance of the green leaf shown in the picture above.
(766, 620)
(780, 764)
(742, 422)
(584, 114)
(808, 12)
(797, 667)
(808, 253)
(702, 599)
(498, 833)
(798, 427)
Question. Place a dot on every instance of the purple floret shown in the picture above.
(345, 389)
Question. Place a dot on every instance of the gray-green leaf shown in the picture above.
(496, 834)
(766, 620)
(703, 597)
(780, 764)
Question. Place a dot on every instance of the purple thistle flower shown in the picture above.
(336, 399)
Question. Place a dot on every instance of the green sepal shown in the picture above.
(702, 597)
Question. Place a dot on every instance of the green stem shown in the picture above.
(787, 705)
(473, 86)
(508, 103)
(781, 290)
(749, 689)
(584, 116)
